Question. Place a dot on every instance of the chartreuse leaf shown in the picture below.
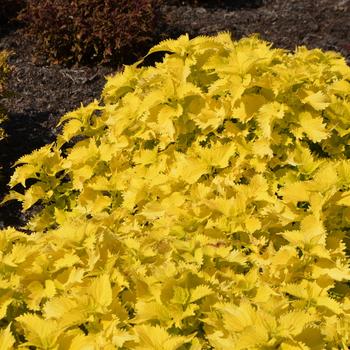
(39, 332)
(317, 100)
(82, 341)
(7, 340)
(294, 322)
(146, 311)
(312, 126)
(101, 292)
(150, 337)
(287, 345)
(200, 292)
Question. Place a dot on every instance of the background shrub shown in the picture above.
(90, 31)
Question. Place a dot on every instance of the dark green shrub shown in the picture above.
(9, 10)
(90, 31)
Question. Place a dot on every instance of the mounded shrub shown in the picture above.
(201, 204)
(90, 31)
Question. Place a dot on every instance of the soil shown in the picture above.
(43, 93)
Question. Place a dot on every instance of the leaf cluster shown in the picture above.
(90, 31)
(200, 204)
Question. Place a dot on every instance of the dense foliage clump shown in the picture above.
(201, 204)
(90, 31)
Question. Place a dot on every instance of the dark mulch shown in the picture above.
(42, 93)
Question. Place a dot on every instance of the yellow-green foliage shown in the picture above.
(4, 71)
(206, 206)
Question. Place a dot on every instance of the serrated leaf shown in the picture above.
(313, 127)
(39, 332)
(146, 311)
(101, 291)
(293, 323)
(7, 340)
(295, 192)
(157, 338)
(200, 292)
(318, 100)
(330, 304)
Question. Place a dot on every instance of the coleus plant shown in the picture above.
(200, 204)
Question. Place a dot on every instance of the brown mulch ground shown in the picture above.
(42, 93)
